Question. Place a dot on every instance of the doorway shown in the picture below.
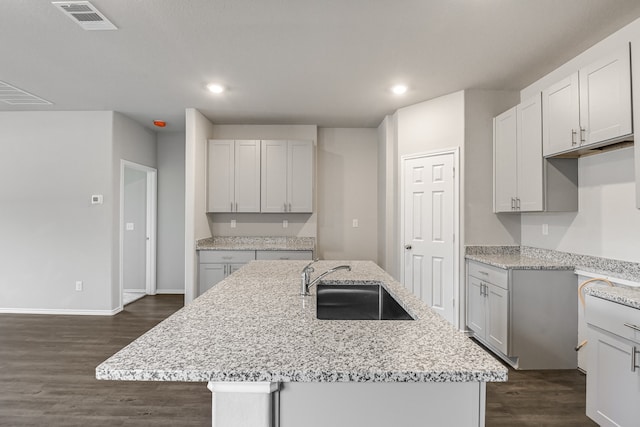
(138, 211)
(429, 221)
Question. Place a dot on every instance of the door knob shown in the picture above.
(407, 247)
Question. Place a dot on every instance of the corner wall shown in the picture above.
(50, 165)
(347, 190)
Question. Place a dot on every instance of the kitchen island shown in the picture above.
(269, 362)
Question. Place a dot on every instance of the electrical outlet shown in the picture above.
(78, 285)
(545, 229)
(233, 223)
(285, 223)
(355, 223)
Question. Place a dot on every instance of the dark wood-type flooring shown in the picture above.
(47, 378)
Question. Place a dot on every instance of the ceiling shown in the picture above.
(328, 62)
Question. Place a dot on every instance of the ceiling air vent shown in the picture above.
(13, 96)
(85, 14)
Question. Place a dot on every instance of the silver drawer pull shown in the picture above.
(634, 351)
(483, 272)
(634, 327)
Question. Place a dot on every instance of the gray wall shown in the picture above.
(135, 241)
(170, 265)
(347, 190)
(50, 165)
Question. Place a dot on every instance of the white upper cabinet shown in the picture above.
(287, 176)
(505, 136)
(561, 116)
(518, 167)
(233, 176)
(589, 108)
(529, 159)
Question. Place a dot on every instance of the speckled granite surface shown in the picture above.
(619, 294)
(257, 243)
(254, 326)
(525, 257)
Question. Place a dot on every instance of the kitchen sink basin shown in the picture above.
(358, 302)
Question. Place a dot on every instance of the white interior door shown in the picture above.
(429, 226)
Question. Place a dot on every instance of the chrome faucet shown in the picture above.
(306, 276)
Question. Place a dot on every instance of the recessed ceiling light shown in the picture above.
(399, 89)
(215, 88)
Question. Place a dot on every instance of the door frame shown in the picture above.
(151, 228)
(455, 151)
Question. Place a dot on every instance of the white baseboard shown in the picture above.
(60, 311)
(170, 291)
(135, 291)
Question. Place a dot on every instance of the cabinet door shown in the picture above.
(210, 275)
(613, 389)
(497, 317)
(300, 176)
(605, 98)
(561, 116)
(529, 163)
(274, 176)
(504, 149)
(220, 176)
(475, 306)
(247, 176)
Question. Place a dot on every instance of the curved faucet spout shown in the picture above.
(306, 285)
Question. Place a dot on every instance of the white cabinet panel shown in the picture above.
(210, 275)
(476, 306)
(220, 176)
(605, 98)
(233, 176)
(287, 176)
(529, 155)
(505, 160)
(497, 317)
(561, 116)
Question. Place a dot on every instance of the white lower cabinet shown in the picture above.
(613, 367)
(488, 311)
(527, 317)
(216, 265)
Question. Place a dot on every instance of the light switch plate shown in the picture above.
(233, 223)
(285, 223)
(355, 223)
(129, 226)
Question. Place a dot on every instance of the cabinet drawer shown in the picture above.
(227, 257)
(284, 255)
(611, 317)
(489, 273)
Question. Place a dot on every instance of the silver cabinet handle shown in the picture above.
(225, 270)
(483, 272)
(583, 132)
(236, 206)
(573, 137)
(518, 203)
(231, 207)
(634, 351)
(289, 207)
(634, 327)
(408, 247)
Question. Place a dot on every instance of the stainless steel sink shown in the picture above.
(358, 302)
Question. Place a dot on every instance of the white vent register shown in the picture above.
(85, 14)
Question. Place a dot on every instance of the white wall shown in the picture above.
(171, 228)
(607, 224)
(347, 190)
(198, 129)
(50, 165)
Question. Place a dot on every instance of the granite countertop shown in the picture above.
(511, 261)
(254, 326)
(622, 295)
(241, 243)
